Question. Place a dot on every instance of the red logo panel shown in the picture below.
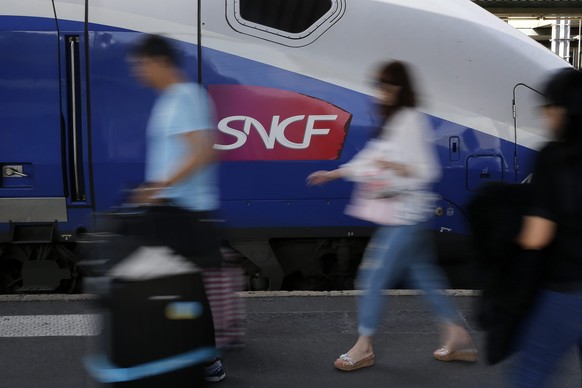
(259, 123)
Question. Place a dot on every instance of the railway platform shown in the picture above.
(292, 340)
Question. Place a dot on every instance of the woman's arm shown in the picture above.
(321, 177)
(400, 169)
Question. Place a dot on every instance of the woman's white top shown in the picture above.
(383, 197)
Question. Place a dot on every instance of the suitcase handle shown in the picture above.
(100, 368)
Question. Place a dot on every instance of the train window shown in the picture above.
(294, 23)
(286, 15)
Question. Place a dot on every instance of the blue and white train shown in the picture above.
(291, 80)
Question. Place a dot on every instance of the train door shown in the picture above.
(529, 129)
(75, 113)
(32, 189)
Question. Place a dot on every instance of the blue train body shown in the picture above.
(72, 120)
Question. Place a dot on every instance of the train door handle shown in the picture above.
(454, 149)
(13, 172)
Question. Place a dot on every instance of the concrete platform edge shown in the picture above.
(245, 294)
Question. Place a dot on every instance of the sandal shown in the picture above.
(446, 354)
(346, 363)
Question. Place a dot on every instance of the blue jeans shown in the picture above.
(554, 328)
(393, 253)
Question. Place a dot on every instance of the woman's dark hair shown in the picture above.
(156, 46)
(395, 73)
(564, 89)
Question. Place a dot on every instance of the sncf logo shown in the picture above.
(258, 123)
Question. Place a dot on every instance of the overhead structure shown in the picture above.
(533, 8)
(556, 24)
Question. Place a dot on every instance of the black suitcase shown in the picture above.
(151, 326)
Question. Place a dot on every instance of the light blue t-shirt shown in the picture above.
(181, 108)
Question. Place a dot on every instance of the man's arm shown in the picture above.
(201, 154)
(536, 233)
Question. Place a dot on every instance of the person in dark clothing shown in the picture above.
(553, 224)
